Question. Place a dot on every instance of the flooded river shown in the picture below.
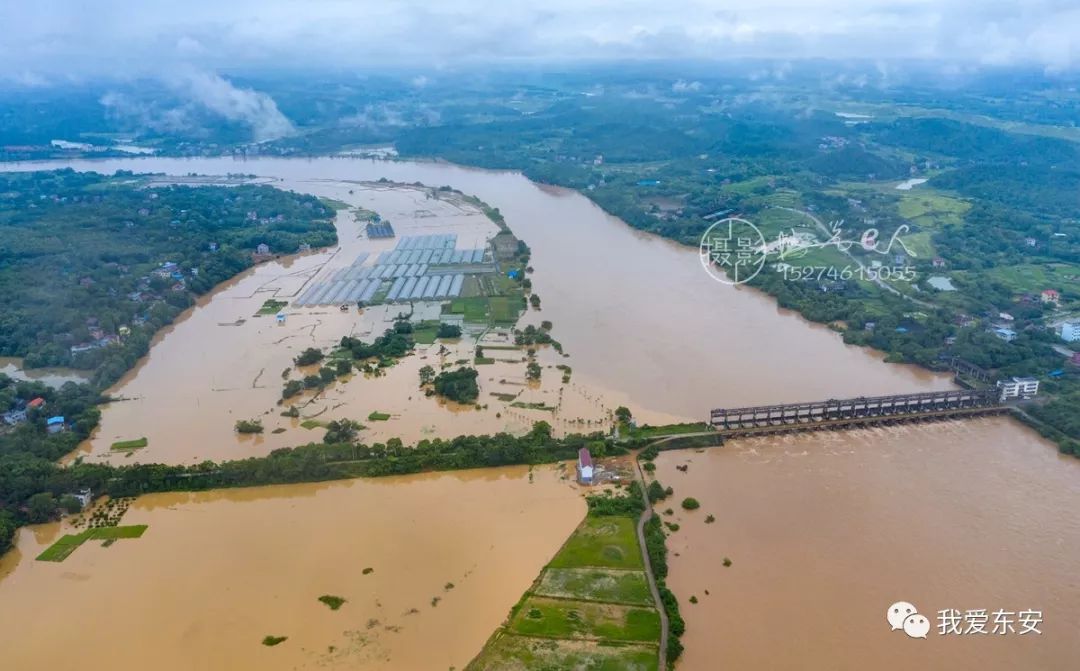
(816, 525)
(825, 531)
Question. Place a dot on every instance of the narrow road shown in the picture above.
(645, 516)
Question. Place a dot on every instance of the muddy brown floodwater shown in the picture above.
(217, 571)
(824, 530)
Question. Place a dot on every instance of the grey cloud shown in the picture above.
(72, 37)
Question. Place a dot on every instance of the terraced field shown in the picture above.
(589, 609)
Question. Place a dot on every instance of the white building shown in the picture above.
(1018, 387)
(1070, 331)
(1008, 335)
(584, 466)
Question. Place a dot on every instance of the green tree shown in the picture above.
(449, 331)
(69, 504)
(41, 507)
(309, 356)
(427, 375)
(459, 385)
(292, 388)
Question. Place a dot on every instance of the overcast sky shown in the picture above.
(43, 39)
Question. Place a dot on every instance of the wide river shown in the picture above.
(824, 531)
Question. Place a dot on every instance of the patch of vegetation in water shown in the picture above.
(271, 641)
(533, 406)
(68, 543)
(125, 445)
(331, 601)
(249, 426)
(377, 416)
(271, 307)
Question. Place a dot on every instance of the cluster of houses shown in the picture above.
(98, 337)
(20, 413)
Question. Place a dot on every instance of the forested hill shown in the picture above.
(92, 265)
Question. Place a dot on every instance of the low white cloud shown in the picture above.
(252, 108)
(200, 94)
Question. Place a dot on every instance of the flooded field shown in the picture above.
(827, 530)
(54, 377)
(216, 572)
(836, 526)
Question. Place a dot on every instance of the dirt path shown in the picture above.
(645, 516)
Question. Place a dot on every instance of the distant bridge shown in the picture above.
(854, 412)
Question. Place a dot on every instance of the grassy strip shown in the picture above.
(63, 547)
(126, 445)
(667, 430)
(532, 406)
(656, 547)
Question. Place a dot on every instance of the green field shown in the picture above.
(424, 334)
(931, 210)
(508, 651)
(609, 542)
(474, 308)
(62, 548)
(505, 309)
(595, 584)
(271, 307)
(1032, 278)
(591, 608)
(128, 445)
(563, 618)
